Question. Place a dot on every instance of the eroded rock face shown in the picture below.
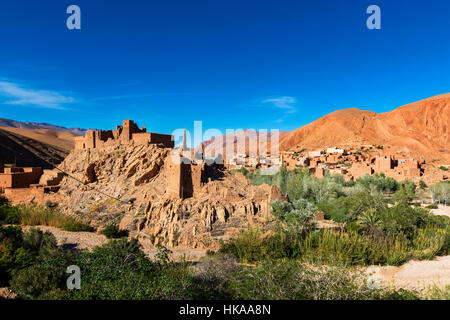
(126, 184)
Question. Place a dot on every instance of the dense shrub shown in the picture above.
(404, 220)
(380, 181)
(249, 246)
(214, 273)
(76, 226)
(420, 237)
(297, 216)
(21, 249)
(347, 209)
(117, 270)
(406, 192)
(112, 231)
(8, 212)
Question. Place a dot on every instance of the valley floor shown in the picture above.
(414, 275)
(441, 210)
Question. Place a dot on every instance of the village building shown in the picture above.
(128, 133)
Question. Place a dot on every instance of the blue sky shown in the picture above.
(231, 64)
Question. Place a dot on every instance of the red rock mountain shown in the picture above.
(418, 128)
(248, 139)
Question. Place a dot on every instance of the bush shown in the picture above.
(402, 219)
(247, 247)
(75, 226)
(37, 279)
(12, 218)
(214, 273)
(22, 249)
(432, 206)
(347, 209)
(7, 210)
(112, 231)
(406, 192)
(297, 216)
(379, 181)
(3, 200)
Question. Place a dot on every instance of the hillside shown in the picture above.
(248, 139)
(419, 128)
(60, 139)
(28, 152)
(35, 125)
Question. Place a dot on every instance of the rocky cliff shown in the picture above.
(126, 185)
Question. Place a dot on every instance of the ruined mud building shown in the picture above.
(185, 169)
(128, 133)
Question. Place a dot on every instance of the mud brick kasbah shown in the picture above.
(183, 176)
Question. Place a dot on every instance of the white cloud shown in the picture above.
(39, 98)
(279, 120)
(286, 103)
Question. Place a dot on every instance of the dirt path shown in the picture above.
(414, 275)
(89, 240)
(441, 210)
(74, 240)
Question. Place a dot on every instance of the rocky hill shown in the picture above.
(126, 184)
(420, 128)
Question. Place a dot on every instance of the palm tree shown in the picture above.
(369, 220)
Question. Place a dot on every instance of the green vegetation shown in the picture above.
(34, 215)
(377, 221)
(112, 231)
(19, 250)
(371, 231)
(34, 267)
(443, 168)
(440, 192)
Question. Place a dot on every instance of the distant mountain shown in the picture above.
(27, 152)
(63, 140)
(35, 144)
(36, 125)
(421, 128)
(248, 139)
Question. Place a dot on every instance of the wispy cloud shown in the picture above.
(20, 95)
(286, 103)
(125, 96)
